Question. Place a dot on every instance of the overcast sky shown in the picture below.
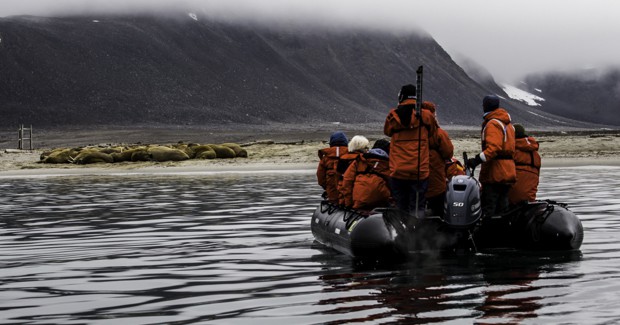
(509, 37)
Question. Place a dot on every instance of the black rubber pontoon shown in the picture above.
(388, 234)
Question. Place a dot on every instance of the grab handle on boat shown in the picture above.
(328, 207)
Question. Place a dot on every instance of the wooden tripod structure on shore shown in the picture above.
(23, 135)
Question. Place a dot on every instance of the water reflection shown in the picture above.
(238, 249)
(496, 287)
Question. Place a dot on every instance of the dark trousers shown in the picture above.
(494, 199)
(436, 204)
(404, 192)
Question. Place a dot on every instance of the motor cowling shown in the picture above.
(462, 206)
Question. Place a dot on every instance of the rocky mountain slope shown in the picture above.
(179, 69)
(586, 95)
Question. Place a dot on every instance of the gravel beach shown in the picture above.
(283, 150)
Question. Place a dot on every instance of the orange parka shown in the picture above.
(344, 163)
(327, 174)
(409, 140)
(365, 183)
(441, 150)
(498, 147)
(527, 161)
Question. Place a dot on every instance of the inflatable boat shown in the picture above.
(387, 233)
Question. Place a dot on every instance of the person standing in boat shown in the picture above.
(409, 151)
(365, 184)
(498, 170)
(441, 150)
(357, 147)
(326, 173)
(528, 162)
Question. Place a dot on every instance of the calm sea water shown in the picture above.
(237, 249)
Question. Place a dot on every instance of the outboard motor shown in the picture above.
(462, 208)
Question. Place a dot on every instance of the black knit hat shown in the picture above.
(407, 92)
(490, 103)
(520, 131)
(338, 139)
(383, 144)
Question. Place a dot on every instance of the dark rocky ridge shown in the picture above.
(172, 70)
(582, 95)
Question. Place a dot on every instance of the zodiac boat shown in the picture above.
(387, 233)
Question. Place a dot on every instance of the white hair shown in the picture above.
(358, 143)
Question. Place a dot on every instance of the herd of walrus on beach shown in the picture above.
(139, 152)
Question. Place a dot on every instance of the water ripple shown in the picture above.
(237, 249)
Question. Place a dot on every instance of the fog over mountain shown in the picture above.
(186, 69)
(510, 38)
(587, 95)
(480, 74)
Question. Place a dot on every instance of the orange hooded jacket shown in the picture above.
(343, 165)
(409, 140)
(441, 150)
(498, 147)
(365, 183)
(327, 174)
(528, 162)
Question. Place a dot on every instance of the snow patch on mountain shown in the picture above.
(522, 95)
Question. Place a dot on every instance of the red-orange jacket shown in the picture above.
(365, 183)
(343, 165)
(528, 162)
(409, 140)
(454, 168)
(498, 147)
(441, 150)
(326, 173)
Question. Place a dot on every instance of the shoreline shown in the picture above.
(240, 169)
(299, 154)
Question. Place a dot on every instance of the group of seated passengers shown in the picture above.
(357, 177)
(354, 176)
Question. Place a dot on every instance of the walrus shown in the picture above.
(91, 156)
(222, 151)
(140, 154)
(128, 155)
(206, 154)
(111, 150)
(161, 153)
(45, 154)
(239, 152)
(187, 149)
(202, 151)
(61, 156)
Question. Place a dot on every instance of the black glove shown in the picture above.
(473, 162)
